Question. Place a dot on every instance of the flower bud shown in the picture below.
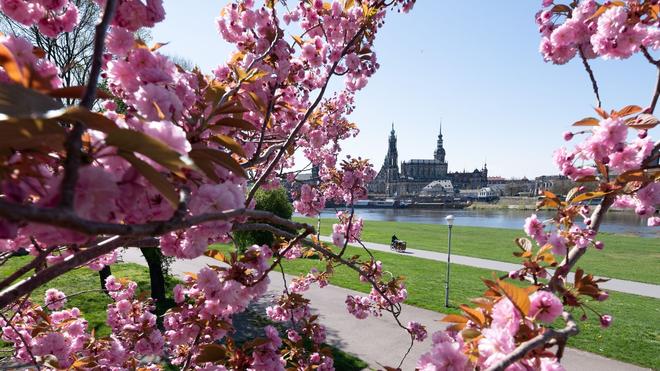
(602, 296)
(568, 136)
(605, 321)
(599, 245)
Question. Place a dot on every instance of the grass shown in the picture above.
(93, 305)
(634, 336)
(624, 257)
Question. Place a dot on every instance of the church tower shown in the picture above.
(439, 153)
(391, 159)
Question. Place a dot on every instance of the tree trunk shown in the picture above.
(156, 275)
(103, 275)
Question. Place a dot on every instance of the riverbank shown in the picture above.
(620, 223)
(520, 203)
(624, 257)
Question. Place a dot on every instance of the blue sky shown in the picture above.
(475, 67)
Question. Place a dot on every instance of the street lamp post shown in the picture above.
(450, 223)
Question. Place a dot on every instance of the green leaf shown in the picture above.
(153, 176)
(92, 120)
(31, 133)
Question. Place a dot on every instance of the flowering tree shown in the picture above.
(509, 329)
(177, 167)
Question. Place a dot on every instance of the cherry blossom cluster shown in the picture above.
(615, 30)
(607, 145)
(134, 14)
(23, 52)
(207, 301)
(51, 17)
(348, 229)
(505, 327)
(348, 184)
(387, 296)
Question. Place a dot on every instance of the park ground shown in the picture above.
(634, 336)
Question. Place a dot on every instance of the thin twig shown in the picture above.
(25, 343)
(592, 77)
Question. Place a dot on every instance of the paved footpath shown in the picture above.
(630, 287)
(377, 341)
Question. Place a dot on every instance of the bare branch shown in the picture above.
(33, 264)
(592, 77)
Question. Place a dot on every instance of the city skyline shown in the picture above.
(480, 72)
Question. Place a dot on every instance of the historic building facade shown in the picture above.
(417, 173)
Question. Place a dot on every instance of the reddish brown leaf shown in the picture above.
(9, 63)
(643, 121)
(588, 196)
(474, 314)
(77, 92)
(588, 121)
(228, 143)
(237, 123)
(628, 110)
(454, 318)
(517, 295)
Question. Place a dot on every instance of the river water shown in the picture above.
(615, 222)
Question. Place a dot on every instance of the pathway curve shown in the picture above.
(377, 341)
(630, 287)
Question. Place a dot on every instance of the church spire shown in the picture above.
(391, 159)
(439, 153)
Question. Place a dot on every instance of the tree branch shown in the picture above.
(68, 219)
(592, 77)
(26, 286)
(73, 142)
(303, 120)
(540, 340)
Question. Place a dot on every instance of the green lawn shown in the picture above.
(92, 304)
(624, 257)
(634, 336)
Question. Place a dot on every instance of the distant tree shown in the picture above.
(275, 201)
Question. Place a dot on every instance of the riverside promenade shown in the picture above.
(376, 340)
(630, 287)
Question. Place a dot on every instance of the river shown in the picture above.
(615, 222)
